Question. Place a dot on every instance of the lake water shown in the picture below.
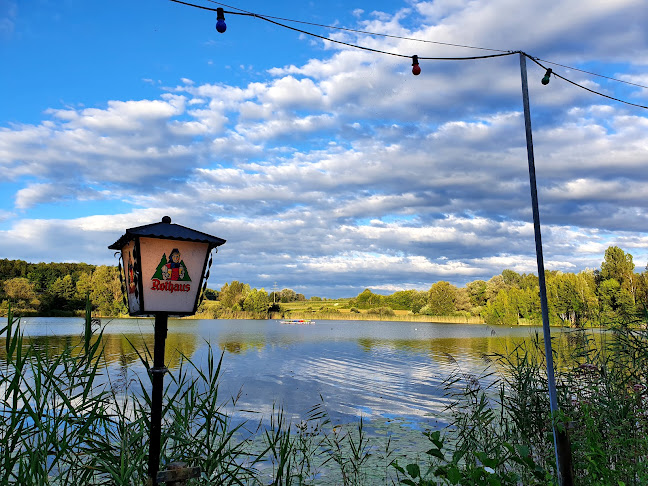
(375, 370)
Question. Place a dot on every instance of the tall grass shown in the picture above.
(65, 421)
(502, 428)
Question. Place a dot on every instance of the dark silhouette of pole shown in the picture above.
(157, 378)
(561, 441)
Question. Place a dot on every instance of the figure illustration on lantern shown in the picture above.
(131, 275)
(173, 270)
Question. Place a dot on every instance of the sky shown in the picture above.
(328, 169)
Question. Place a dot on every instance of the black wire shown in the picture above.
(504, 53)
(360, 31)
(377, 50)
(594, 74)
(507, 53)
(423, 40)
(584, 87)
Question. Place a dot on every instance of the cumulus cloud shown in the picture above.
(345, 171)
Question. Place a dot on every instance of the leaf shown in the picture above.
(414, 470)
(453, 475)
(436, 453)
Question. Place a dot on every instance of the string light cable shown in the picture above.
(416, 70)
(348, 44)
(377, 34)
(549, 72)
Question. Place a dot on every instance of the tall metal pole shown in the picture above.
(157, 372)
(561, 443)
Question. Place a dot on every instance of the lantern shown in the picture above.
(164, 266)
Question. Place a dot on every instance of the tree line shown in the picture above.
(614, 293)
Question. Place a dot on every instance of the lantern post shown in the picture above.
(163, 268)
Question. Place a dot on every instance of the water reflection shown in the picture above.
(374, 369)
(240, 346)
(119, 349)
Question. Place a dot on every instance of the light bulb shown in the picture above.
(547, 76)
(416, 69)
(220, 20)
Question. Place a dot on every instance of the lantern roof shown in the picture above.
(166, 230)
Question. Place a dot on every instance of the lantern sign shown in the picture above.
(163, 267)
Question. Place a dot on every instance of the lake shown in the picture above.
(381, 371)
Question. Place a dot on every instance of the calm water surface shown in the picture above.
(377, 370)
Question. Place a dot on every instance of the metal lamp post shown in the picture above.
(165, 271)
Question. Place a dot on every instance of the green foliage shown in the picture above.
(618, 265)
(20, 291)
(367, 299)
(441, 299)
(501, 311)
(256, 301)
(610, 296)
(473, 467)
(211, 294)
(477, 292)
(64, 425)
(381, 311)
(503, 433)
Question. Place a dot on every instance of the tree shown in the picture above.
(441, 299)
(401, 300)
(618, 265)
(477, 292)
(616, 303)
(642, 288)
(419, 300)
(367, 299)
(462, 300)
(527, 302)
(233, 294)
(572, 297)
(501, 311)
(256, 301)
(19, 290)
(493, 287)
(106, 294)
(63, 288)
(211, 294)
(511, 278)
(288, 295)
(83, 286)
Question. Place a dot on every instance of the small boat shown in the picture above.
(297, 321)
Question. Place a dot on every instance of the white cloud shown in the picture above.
(345, 171)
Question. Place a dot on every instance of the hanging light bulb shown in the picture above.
(547, 75)
(416, 69)
(220, 20)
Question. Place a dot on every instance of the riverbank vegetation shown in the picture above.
(610, 295)
(67, 422)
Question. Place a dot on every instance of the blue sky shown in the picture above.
(328, 169)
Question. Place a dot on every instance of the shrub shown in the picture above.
(381, 311)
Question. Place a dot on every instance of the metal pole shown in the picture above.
(157, 372)
(561, 444)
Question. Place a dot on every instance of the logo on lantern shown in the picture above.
(169, 271)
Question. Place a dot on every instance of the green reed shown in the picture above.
(65, 421)
(502, 429)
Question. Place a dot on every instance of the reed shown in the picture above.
(501, 432)
(67, 422)
(347, 316)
